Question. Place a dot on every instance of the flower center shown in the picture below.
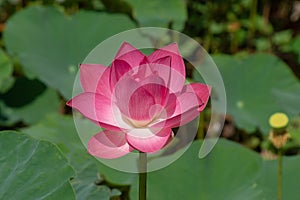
(154, 111)
(140, 124)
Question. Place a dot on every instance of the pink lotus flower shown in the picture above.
(138, 100)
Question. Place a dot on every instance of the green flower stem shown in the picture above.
(142, 176)
(279, 174)
(200, 132)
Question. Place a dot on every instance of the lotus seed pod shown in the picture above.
(278, 121)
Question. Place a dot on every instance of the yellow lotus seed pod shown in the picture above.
(278, 121)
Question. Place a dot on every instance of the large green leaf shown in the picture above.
(32, 169)
(60, 130)
(50, 45)
(47, 102)
(87, 184)
(230, 172)
(267, 179)
(6, 71)
(256, 86)
(24, 99)
(160, 13)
